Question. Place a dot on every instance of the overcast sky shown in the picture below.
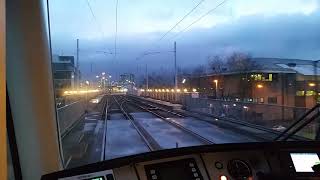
(263, 28)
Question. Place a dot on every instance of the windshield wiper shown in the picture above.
(301, 123)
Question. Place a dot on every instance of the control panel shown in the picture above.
(186, 169)
(101, 175)
(235, 165)
(222, 162)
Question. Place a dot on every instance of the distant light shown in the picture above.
(72, 76)
(185, 90)
(103, 73)
(194, 90)
(103, 78)
(312, 84)
(167, 90)
(223, 177)
(142, 90)
(110, 76)
(80, 92)
(94, 101)
(97, 76)
(172, 90)
(87, 82)
(215, 81)
(234, 105)
(156, 90)
(245, 107)
(216, 119)
(178, 90)
(259, 86)
(163, 90)
(183, 81)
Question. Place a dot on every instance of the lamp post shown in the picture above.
(216, 89)
(87, 84)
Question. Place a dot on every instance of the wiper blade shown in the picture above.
(285, 135)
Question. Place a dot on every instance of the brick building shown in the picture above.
(286, 82)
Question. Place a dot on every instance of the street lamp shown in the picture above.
(312, 84)
(216, 91)
(103, 73)
(87, 84)
(259, 86)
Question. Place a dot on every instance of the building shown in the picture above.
(126, 79)
(285, 82)
(65, 73)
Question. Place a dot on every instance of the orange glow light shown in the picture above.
(259, 86)
(312, 84)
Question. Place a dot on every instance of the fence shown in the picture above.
(71, 113)
(274, 117)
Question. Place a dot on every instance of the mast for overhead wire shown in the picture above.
(78, 70)
(147, 77)
(175, 66)
(116, 31)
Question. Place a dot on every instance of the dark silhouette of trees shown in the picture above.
(240, 62)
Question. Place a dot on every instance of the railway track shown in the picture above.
(150, 142)
(271, 132)
(154, 110)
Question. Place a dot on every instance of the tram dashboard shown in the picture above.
(243, 161)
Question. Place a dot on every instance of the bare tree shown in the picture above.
(241, 62)
(216, 63)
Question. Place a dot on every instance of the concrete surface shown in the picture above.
(123, 139)
(165, 134)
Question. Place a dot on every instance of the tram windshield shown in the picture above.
(132, 76)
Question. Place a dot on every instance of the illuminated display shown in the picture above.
(262, 77)
(303, 162)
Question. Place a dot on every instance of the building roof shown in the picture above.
(276, 65)
(304, 67)
(63, 63)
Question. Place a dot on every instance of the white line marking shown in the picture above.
(68, 161)
(67, 105)
(81, 137)
(96, 130)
